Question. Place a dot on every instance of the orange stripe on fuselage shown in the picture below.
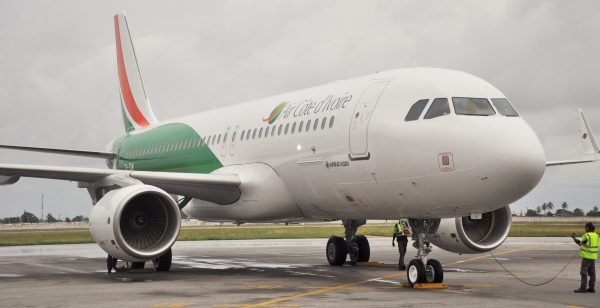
(130, 104)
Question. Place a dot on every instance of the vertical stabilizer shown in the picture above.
(587, 137)
(134, 101)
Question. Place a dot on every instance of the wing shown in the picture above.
(217, 188)
(92, 154)
(590, 147)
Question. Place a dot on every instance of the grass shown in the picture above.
(78, 236)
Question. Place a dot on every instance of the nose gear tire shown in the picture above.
(434, 272)
(415, 272)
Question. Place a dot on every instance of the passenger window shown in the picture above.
(331, 121)
(415, 111)
(300, 127)
(294, 127)
(248, 135)
(242, 137)
(267, 132)
(204, 141)
(254, 134)
(472, 106)
(219, 140)
(279, 130)
(323, 123)
(260, 133)
(308, 125)
(214, 139)
(286, 128)
(273, 131)
(316, 124)
(233, 137)
(225, 138)
(439, 107)
(208, 143)
(504, 107)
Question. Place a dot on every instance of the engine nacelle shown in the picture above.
(135, 223)
(466, 235)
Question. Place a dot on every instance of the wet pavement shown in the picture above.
(291, 273)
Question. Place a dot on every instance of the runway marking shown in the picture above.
(263, 287)
(353, 284)
(310, 274)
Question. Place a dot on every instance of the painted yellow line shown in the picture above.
(350, 285)
(454, 291)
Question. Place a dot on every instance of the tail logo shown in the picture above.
(275, 113)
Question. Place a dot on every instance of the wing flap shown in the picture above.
(92, 154)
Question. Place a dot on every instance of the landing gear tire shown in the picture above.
(434, 272)
(163, 263)
(364, 250)
(336, 251)
(415, 272)
(135, 265)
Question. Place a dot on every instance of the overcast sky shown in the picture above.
(58, 77)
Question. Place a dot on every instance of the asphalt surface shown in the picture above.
(291, 273)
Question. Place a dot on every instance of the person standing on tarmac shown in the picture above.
(111, 263)
(588, 251)
(402, 242)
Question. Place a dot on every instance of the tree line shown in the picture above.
(546, 210)
(31, 218)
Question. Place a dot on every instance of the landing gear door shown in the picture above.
(361, 117)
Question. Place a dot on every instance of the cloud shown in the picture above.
(58, 80)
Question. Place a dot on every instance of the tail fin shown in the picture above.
(134, 102)
(587, 137)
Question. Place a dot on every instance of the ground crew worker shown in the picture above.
(111, 263)
(402, 242)
(588, 251)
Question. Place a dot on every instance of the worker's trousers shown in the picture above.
(402, 251)
(588, 268)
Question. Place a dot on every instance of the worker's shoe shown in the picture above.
(581, 290)
(591, 290)
(402, 267)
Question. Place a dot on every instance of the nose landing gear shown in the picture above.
(421, 270)
(357, 246)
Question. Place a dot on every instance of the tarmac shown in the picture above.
(292, 273)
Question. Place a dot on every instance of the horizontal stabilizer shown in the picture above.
(92, 154)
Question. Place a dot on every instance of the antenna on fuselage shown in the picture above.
(414, 62)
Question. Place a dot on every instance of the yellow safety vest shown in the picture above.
(589, 246)
(398, 229)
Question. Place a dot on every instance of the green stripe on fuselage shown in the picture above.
(170, 148)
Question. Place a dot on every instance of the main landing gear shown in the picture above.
(357, 246)
(420, 269)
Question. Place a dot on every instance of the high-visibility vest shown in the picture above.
(589, 246)
(398, 229)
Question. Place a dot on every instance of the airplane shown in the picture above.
(441, 150)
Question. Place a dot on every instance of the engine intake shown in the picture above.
(135, 223)
(466, 235)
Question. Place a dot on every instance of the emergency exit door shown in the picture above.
(359, 124)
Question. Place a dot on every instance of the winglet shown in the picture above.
(590, 146)
(136, 106)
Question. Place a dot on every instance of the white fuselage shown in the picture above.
(370, 163)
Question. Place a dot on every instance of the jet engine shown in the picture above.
(135, 223)
(466, 235)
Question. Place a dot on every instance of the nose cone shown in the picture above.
(509, 159)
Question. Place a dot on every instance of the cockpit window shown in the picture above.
(472, 106)
(415, 111)
(504, 107)
(439, 107)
